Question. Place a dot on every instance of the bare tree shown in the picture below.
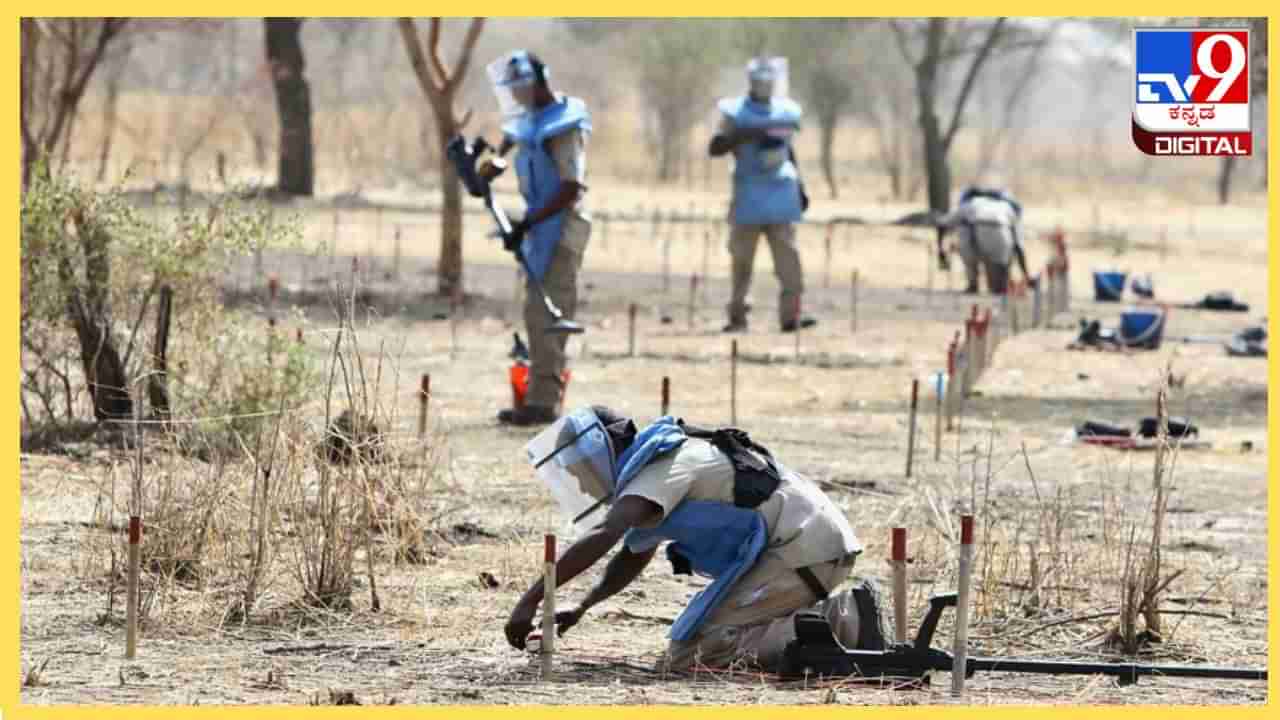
(1257, 88)
(59, 56)
(942, 41)
(1009, 89)
(293, 102)
(116, 68)
(677, 63)
(440, 85)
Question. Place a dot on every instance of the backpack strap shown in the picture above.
(755, 474)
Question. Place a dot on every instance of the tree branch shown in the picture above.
(468, 47)
(412, 45)
(433, 47)
(992, 37)
(901, 36)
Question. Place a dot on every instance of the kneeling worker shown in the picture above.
(773, 543)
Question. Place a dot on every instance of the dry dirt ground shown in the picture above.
(836, 412)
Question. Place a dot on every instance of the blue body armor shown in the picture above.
(766, 184)
(539, 177)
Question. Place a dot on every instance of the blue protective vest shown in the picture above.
(766, 184)
(720, 540)
(539, 177)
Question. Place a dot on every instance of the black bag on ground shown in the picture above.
(1099, 428)
(1222, 300)
(1178, 427)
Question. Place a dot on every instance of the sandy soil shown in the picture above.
(836, 412)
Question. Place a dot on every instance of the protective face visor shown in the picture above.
(513, 79)
(575, 459)
(768, 77)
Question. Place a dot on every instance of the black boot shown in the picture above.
(528, 415)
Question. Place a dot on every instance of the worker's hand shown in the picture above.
(742, 135)
(566, 619)
(516, 236)
(804, 199)
(519, 625)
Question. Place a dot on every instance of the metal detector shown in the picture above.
(476, 179)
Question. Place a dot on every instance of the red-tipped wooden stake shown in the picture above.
(131, 610)
(424, 397)
(960, 650)
(548, 604)
(900, 585)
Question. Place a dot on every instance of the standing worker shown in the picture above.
(774, 545)
(768, 193)
(989, 221)
(551, 132)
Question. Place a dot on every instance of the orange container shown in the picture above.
(519, 377)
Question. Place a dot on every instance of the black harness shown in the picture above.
(755, 479)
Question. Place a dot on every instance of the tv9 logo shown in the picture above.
(1192, 91)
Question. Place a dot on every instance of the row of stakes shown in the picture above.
(973, 356)
(898, 562)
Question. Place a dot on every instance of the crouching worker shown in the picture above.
(772, 543)
(988, 221)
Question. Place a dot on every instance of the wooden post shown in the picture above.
(131, 610)
(899, 585)
(967, 355)
(911, 424)
(424, 398)
(953, 381)
(395, 263)
(693, 296)
(1036, 319)
(939, 391)
(960, 649)
(733, 383)
(548, 648)
(273, 291)
(978, 356)
(826, 273)
(853, 303)
(631, 330)
(135, 542)
(666, 396)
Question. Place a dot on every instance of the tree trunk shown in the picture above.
(937, 166)
(109, 123)
(1225, 169)
(293, 102)
(828, 133)
(89, 310)
(449, 272)
(158, 383)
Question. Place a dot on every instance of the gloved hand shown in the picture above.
(566, 619)
(516, 236)
(804, 199)
(519, 625)
(944, 261)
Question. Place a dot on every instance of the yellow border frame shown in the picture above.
(10, 490)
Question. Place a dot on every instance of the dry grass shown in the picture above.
(271, 576)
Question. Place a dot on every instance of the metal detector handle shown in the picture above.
(937, 603)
